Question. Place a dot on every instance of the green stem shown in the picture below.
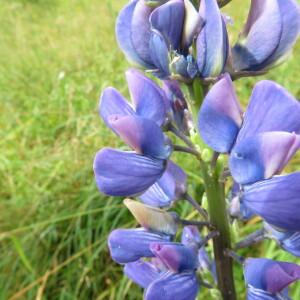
(196, 205)
(219, 219)
(192, 105)
(217, 211)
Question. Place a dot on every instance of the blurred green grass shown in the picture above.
(55, 58)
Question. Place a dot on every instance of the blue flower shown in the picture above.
(268, 279)
(271, 121)
(169, 188)
(158, 38)
(147, 34)
(271, 30)
(212, 41)
(260, 144)
(191, 237)
(124, 173)
(177, 102)
(276, 200)
(286, 239)
(171, 270)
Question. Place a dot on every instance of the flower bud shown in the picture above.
(212, 41)
(280, 22)
(128, 245)
(152, 218)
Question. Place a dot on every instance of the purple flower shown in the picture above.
(148, 100)
(262, 156)
(172, 263)
(269, 279)
(160, 283)
(271, 122)
(169, 286)
(277, 20)
(170, 275)
(158, 38)
(287, 240)
(237, 208)
(176, 257)
(121, 173)
(212, 41)
(141, 272)
(128, 245)
(220, 116)
(178, 104)
(260, 145)
(169, 188)
(276, 200)
(191, 237)
(147, 34)
(171, 35)
(124, 173)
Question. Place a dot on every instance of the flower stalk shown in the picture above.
(251, 239)
(185, 44)
(217, 211)
(218, 217)
(196, 205)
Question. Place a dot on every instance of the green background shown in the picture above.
(56, 56)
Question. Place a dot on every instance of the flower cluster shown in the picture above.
(170, 267)
(185, 44)
(158, 37)
(260, 142)
(124, 173)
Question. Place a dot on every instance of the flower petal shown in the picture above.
(237, 209)
(161, 193)
(128, 245)
(212, 42)
(290, 14)
(140, 30)
(271, 108)
(262, 156)
(182, 286)
(147, 96)
(257, 294)
(179, 177)
(192, 24)
(159, 54)
(142, 135)
(168, 19)
(113, 103)
(180, 65)
(123, 34)
(176, 257)
(220, 116)
(170, 187)
(152, 218)
(253, 49)
(177, 102)
(190, 236)
(141, 272)
(287, 240)
(269, 275)
(120, 173)
(276, 200)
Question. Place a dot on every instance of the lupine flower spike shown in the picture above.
(177, 249)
